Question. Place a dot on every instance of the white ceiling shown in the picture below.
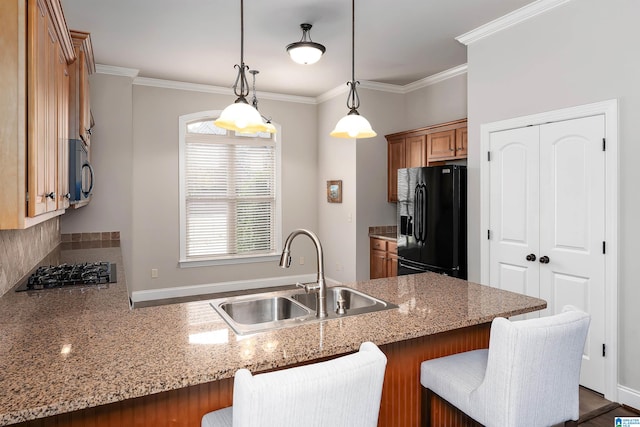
(198, 41)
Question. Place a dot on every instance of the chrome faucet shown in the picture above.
(319, 288)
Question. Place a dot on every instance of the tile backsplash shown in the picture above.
(383, 229)
(21, 250)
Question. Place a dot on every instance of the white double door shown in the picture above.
(547, 222)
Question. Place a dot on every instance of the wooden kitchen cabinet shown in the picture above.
(36, 50)
(428, 146)
(396, 159)
(447, 145)
(62, 110)
(383, 259)
(403, 152)
(80, 118)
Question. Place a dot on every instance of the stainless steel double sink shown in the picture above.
(266, 311)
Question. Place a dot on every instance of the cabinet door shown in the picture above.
(392, 259)
(62, 122)
(441, 145)
(396, 159)
(378, 264)
(461, 143)
(42, 149)
(377, 258)
(415, 152)
(84, 100)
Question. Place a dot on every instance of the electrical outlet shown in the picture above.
(349, 218)
(301, 260)
(154, 273)
(338, 267)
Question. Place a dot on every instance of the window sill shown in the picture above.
(275, 257)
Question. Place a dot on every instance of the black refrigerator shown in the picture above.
(432, 220)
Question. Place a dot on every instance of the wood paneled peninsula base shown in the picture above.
(169, 365)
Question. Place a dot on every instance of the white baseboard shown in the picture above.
(212, 288)
(628, 396)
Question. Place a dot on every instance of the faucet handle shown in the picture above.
(308, 287)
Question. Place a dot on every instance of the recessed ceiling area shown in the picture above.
(198, 41)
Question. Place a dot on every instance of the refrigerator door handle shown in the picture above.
(416, 213)
(423, 220)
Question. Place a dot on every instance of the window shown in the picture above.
(229, 194)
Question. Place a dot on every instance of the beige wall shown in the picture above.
(579, 53)
(437, 103)
(154, 183)
(111, 156)
(362, 167)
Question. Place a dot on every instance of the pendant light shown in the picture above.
(240, 116)
(306, 51)
(267, 122)
(353, 125)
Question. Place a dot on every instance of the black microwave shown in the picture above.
(80, 172)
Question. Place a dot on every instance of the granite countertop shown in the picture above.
(65, 350)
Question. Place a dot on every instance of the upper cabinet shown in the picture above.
(80, 118)
(428, 146)
(34, 81)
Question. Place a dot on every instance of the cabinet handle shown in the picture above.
(67, 196)
(544, 259)
(51, 195)
(451, 149)
(531, 257)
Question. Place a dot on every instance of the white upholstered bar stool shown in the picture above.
(529, 376)
(345, 391)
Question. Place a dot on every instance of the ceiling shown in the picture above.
(198, 41)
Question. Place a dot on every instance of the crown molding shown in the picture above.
(436, 78)
(391, 88)
(117, 71)
(196, 87)
(519, 15)
(365, 84)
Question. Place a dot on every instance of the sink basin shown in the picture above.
(353, 300)
(266, 311)
(263, 310)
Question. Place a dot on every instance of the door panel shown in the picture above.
(572, 179)
(514, 211)
(514, 278)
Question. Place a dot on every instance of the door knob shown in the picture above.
(544, 259)
(531, 257)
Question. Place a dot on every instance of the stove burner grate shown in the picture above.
(58, 276)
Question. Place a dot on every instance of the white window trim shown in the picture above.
(183, 262)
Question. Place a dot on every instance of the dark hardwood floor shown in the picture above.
(596, 411)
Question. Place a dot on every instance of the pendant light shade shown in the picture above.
(353, 125)
(305, 52)
(241, 116)
(270, 127)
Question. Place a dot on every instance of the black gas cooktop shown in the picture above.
(67, 275)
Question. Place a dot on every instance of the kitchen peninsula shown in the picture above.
(83, 357)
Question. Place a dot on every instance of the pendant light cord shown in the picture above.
(353, 101)
(241, 77)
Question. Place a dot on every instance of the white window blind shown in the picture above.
(229, 193)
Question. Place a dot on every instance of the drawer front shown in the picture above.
(378, 244)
